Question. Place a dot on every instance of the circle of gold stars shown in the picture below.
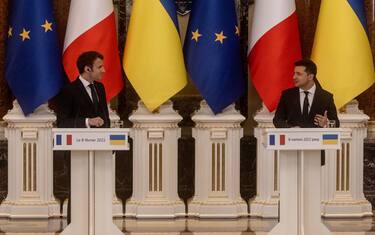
(25, 34)
(219, 37)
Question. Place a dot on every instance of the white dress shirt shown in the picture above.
(310, 96)
(86, 84)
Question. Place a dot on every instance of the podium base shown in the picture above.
(91, 183)
(280, 229)
(77, 229)
(300, 194)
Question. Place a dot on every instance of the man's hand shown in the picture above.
(96, 121)
(320, 120)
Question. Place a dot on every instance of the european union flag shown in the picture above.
(33, 67)
(212, 52)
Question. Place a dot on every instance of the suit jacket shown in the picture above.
(75, 105)
(288, 113)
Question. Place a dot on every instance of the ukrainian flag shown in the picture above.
(117, 139)
(153, 59)
(342, 49)
(330, 139)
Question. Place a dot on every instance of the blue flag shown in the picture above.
(212, 52)
(33, 68)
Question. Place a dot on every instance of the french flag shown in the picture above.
(69, 140)
(274, 46)
(91, 27)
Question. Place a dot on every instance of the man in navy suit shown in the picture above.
(307, 104)
(82, 103)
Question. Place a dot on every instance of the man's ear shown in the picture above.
(87, 69)
(311, 76)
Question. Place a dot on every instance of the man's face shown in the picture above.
(97, 70)
(301, 78)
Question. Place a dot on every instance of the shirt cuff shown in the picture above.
(87, 122)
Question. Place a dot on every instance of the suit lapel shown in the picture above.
(84, 92)
(315, 102)
(297, 103)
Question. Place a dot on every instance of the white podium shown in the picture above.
(300, 165)
(91, 177)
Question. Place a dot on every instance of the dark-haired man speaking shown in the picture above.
(307, 104)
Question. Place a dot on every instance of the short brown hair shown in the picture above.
(87, 59)
(310, 66)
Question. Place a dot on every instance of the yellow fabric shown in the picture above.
(117, 142)
(342, 52)
(153, 59)
(330, 141)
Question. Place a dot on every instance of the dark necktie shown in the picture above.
(94, 96)
(305, 110)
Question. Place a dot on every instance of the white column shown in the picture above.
(155, 138)
(217, 164)
(265, 203)
(30, 164)
(116, 203)
(342, 176)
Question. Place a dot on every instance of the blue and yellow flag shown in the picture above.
(213, 54)
(33, 67)
(342, 50)
(153, 59)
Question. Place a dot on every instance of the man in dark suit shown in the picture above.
(307, 104)
(82, 103)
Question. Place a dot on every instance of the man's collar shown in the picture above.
(311, 90)
(84, 81)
